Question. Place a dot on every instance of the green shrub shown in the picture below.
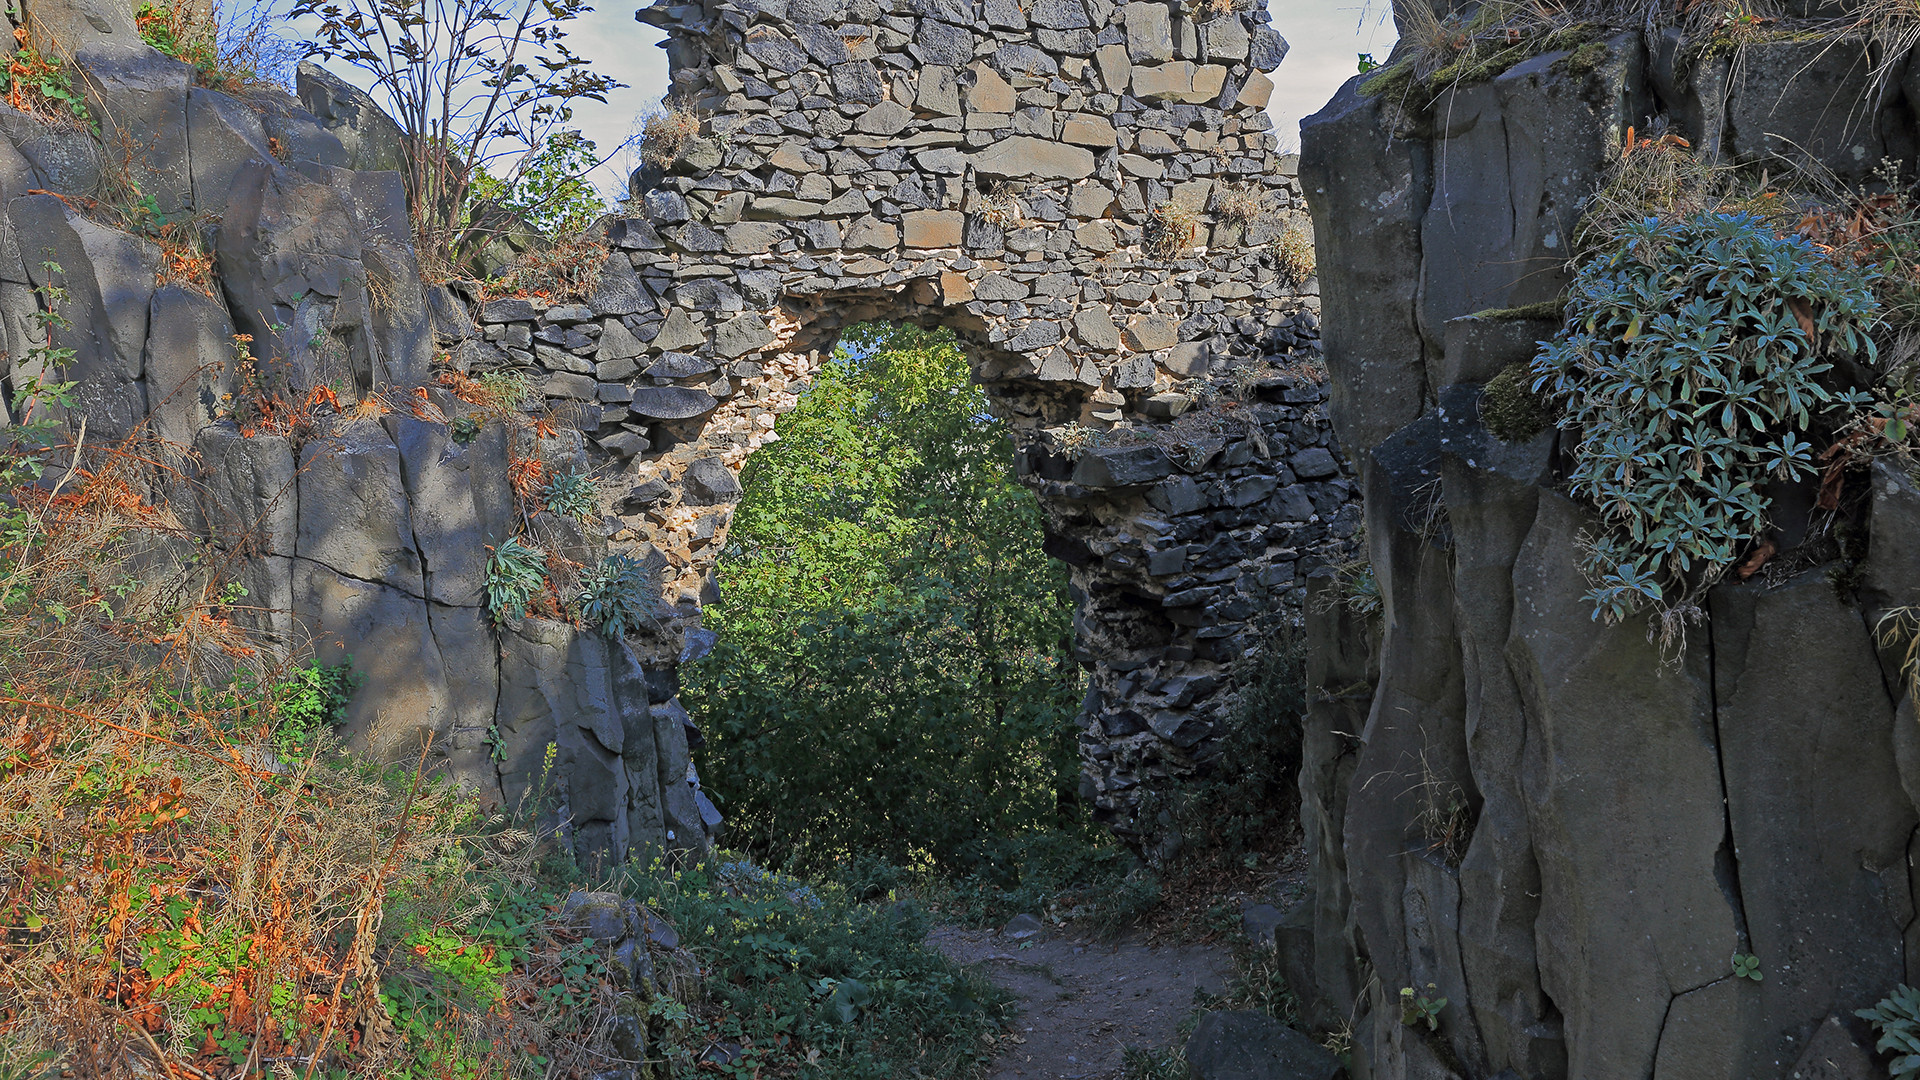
(1897, 1018)
(313, 697)
(515, 572)
(617, 597)
(509, 389)
(797, 972)
(1510, 409)
(1080, 874)
(571, 494)
(1689, 371)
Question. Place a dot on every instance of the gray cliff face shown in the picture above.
(988, 168)
(365, 533)
(1633, 823)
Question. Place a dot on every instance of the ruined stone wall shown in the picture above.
(991, 169)
(984, 167)
(1632, 825)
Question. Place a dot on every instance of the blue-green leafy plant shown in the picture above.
(617, 596)
(1897, 1018)
(1747, 966)
(1689, 367)
(515, 572)
(570, 494)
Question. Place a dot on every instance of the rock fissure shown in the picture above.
(1727, 857)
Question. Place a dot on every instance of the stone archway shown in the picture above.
(1002, 172)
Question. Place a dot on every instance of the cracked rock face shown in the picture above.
(1567, 833)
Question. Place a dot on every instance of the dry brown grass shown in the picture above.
(1293, 254)
(665, 134)
(1169, 230)
(189, 885)
(235, 56)
(1240, 204)
(565, 269)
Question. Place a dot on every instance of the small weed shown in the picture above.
(617, 597)
(664, 135)
(1169, 230)
(507, 390)
(1358, 590)
(311, 698)
(233, 56)
(1074, 439)
(1445, 819)
(515, 572)
(1416, 1010)
(1899, 629)
(1293, 254)
(571, 494)
(1897, 1018)
(1001, 209)
(42, 85)
(1162, 1063)
(566, 268)
(1747, 966)
(1240, 204)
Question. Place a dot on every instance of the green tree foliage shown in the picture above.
(549, 187)
(894, 674)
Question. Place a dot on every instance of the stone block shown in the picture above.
(1255, 93)
(566, 384)
(1023, 157)
(1083, 129)
(1121, 466)
(1225, 38)
(1150, 333)
(989, 93)
(1163, 82)
(1094, 327)
(886, 118)
(932, 228)
(1115, 66)
(671, 402)
(872, 234)
(1149, 32)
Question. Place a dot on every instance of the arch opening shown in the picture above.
(894, 674)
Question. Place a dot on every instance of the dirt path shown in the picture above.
(1083, 1001)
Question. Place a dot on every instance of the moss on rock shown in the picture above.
(1510, 409)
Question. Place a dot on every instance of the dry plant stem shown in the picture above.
(365, 923)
